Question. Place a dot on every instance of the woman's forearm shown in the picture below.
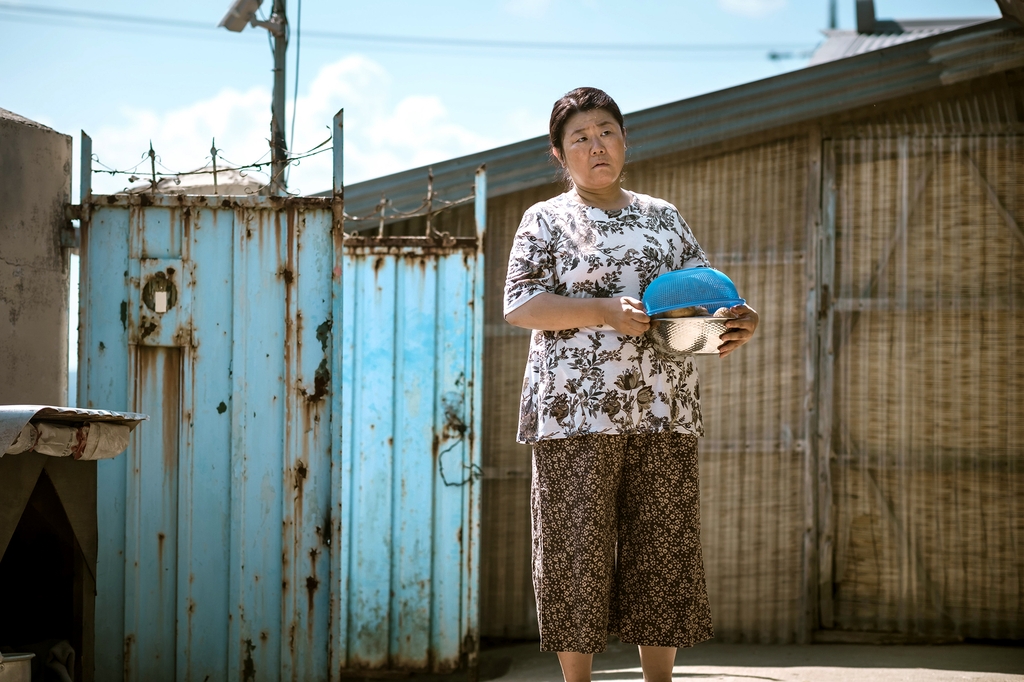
(551, 312)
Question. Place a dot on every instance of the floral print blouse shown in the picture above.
(596, 380)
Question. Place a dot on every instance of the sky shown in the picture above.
(179, 82)
(405, 105)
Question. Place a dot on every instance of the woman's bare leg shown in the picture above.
(657, 663)
(575, 666)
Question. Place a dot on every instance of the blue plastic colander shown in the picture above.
(705, 287)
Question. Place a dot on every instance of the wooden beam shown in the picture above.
(825, 368)
(898, 235)
(993, 197)
(808, 617)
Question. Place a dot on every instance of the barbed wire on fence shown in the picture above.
(431, 205)
(154, 159)
(425, 209)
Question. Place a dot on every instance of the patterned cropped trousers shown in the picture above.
(616, 542)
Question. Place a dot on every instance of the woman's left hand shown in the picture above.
(742, 323)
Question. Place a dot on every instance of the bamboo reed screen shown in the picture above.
(928, 400)
(747, 210)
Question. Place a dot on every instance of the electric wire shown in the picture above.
(517, 46)
(295, 96)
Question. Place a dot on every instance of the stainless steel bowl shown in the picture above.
(678, 337)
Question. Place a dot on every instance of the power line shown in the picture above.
(41, 11)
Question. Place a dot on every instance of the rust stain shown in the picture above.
(322, 375)
(323, 333)
(328, 528)
(171, 382)
(148, 328)
(287, 275)
(248, 668)
(321, 380)
(129, 641)
(311, 585)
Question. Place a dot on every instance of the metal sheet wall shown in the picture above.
(412, 415)
(295, 506)
(215, 528)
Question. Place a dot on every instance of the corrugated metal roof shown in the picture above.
(842, 44)
(893, 71)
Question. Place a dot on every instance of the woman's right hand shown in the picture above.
(626, 315)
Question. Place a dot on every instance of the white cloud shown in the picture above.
(381, 136)
(752, 8)
(527, 8)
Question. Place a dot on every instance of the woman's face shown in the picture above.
(593, 150)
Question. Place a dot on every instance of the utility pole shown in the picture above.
(278, 144)
(241, 14)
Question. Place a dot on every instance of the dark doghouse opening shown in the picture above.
(41, 574)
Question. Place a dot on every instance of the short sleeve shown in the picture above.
(691, 255)
(531, 263)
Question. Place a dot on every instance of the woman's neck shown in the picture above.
(610, 199)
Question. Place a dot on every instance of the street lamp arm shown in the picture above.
(275, 25)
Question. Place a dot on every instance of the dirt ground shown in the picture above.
(751, 662)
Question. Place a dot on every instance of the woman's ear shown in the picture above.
(558, 157)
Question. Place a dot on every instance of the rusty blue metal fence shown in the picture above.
(286, 514)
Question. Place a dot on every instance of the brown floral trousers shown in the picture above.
(616, 542)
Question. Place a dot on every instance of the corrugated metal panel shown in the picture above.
(842, 44)
(250, 510)
(926, 439)
(412, 342)
(886, 74)
(214, 528)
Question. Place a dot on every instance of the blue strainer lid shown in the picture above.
(705, 287)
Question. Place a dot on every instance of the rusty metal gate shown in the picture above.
(305, 499)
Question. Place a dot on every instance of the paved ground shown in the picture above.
(751, 663)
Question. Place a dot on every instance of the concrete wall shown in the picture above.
(35, 185)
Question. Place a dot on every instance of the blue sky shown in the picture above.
(404, 106)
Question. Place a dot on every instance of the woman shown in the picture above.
(614, 425)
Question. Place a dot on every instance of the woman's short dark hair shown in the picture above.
(573, 102)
